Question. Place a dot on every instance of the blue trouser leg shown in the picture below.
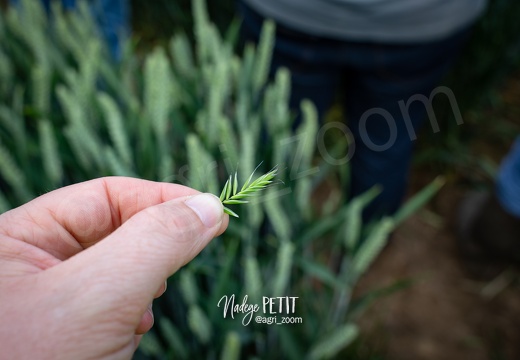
(380, 77)
(113, 17)
(67, 4)
(508, 181)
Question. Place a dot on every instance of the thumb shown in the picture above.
(133, 261)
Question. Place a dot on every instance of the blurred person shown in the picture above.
(81, 265)
(489, 223)
(380, 53)
(112, 16)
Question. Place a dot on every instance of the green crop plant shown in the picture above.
(192, 114)
(230, 194)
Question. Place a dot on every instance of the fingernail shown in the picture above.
(207, 207)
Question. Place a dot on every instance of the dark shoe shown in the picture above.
(487, 231)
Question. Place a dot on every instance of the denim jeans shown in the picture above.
(112, 16)
(373, 78)
(508, 181)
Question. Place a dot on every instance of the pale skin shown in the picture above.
(80, 266)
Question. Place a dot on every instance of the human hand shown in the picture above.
(80, 266)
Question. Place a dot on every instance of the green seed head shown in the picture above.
(230, 194)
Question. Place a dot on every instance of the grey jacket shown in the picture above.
(401, 21)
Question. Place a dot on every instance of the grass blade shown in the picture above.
(418, 201)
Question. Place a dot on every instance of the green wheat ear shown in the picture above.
(232, 196)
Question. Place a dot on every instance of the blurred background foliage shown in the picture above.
(157, 21)
(68, 114)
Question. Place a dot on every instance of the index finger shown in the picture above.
(65, 221)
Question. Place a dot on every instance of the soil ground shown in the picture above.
(447, 312)
(450, 311)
